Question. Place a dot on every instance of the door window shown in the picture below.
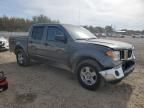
(37, 33)
(53, 32)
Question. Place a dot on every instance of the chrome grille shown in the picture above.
(125, 54)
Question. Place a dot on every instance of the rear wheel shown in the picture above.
(87, 73)
(22, 58)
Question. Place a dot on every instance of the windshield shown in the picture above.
(80, 33)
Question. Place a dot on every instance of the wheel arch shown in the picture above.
(20, 46)
(82, 58)
(17, 48)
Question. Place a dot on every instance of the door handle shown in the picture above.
(30, 41)
(46, 44)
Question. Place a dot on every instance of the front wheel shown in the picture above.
(22, 58)
(88, 75)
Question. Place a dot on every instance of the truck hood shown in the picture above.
(109, 43)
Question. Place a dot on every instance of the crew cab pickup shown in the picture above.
(90, 58)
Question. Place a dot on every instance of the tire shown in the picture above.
(22, 58)
(88, 74)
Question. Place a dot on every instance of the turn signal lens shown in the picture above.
(110, 53)
(115, 55)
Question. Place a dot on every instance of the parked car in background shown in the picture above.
(90, 58)
(138, 36)
(4, 44)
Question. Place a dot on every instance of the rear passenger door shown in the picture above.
(35, 41)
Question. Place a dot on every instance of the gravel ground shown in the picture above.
(41, 85)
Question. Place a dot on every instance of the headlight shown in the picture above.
(115, 55)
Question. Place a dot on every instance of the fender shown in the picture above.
(78, 56)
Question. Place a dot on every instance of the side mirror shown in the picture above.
(60, 38)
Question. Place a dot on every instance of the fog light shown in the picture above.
(117, 73)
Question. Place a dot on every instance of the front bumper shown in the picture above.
(118, 72)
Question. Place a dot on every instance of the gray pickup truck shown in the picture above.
(90, 58)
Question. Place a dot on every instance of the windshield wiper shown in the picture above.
(92, 38)
(85, 38)
(81, 39)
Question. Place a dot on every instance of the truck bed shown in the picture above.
(16, 40)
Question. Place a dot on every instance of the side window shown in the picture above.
(37, 33)
(53, 32)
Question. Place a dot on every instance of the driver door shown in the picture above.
(55, 50)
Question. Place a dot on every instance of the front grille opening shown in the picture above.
(121, 54)
(129, 53)
(125, 54)
(127, 64)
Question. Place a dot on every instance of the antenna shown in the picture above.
(79, 12)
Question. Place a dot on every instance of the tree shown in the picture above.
(43, 19)
(21, 24)
(94, 29)
(109, 30)
(99, 29)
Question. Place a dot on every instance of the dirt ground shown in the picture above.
(44, 86)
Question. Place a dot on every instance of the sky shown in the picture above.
(120, 14)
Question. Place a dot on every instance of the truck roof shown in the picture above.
(47, 24)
